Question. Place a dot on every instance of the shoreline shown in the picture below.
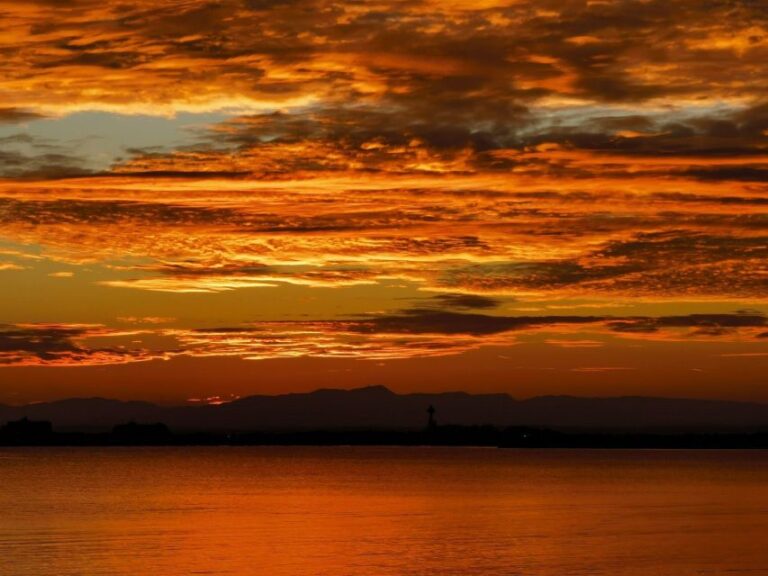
(467, 437)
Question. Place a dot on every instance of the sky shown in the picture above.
(200, 201)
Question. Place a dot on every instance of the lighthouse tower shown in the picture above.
(431, 423)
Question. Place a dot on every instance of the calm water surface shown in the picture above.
(392, 511)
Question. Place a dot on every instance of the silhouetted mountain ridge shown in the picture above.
(377, 407)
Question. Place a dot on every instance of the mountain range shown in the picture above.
(377, 407)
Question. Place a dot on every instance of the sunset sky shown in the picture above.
(206, 200)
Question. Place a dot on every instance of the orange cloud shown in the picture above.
(413, 333)
(68, 345)
(247, 54)
(531, 150)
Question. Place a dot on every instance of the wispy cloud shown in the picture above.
(412, 333)
(67, 345)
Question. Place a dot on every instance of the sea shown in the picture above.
(348, 511)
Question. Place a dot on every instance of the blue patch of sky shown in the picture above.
(101, 139)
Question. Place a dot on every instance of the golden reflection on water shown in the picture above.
(392, 511)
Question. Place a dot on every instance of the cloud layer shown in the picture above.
(436, 59)
(478, 153)
(412, 333)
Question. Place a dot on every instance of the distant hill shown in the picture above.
(377, 407)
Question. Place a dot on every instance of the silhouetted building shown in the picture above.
(431, 422)
(27, 429)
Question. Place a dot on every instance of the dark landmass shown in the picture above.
(377, 408)
(40, 433)
(360, 417)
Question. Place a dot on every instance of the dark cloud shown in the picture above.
(409, 333)
(400, 86)
(17, 115)
(60, 345)
(714, 134)
(417, 321)
(705, 324)
(44, 166)
(740, 173)
(673, 262)
(709, 199)
(413, 133)
(190, 174)
(25, 156)
(475, 301)
(266, 5)
(439, 59)
(374, 136)
(85, 212)
(443, 322)
(110, 60)
(429, 321)
(45, 343)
